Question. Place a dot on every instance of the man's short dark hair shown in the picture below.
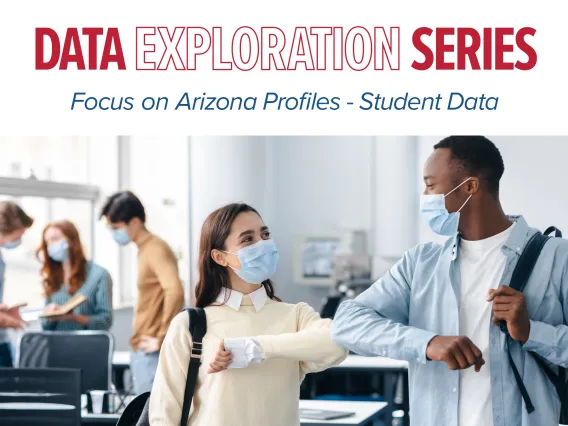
(478, 156)
(13, 217)
(123, 206)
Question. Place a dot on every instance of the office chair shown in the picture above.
(31, 397)
(329, 306)
(88, 351)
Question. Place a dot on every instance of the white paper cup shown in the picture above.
(97, 398)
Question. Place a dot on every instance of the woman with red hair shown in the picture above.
(66, 273)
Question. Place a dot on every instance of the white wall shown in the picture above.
(224, 170)
(304, 184)
(318, 184)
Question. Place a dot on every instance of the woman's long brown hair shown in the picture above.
(212, 276)
(52, 271)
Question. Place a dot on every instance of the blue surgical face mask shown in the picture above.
(433, 209)
(58, 251)
(121, 236)
(12, 244)
(258, 261)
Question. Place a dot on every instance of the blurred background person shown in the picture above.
(160, 291)
(13, 223)
(66, 272)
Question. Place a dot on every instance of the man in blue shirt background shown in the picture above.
(13, 223)
(439, 307)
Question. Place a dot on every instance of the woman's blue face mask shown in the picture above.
(258, 261)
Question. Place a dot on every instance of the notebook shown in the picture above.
(67, 307)
(306, 413)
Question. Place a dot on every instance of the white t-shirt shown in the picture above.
(481, 267)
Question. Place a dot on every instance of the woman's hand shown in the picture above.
(222, 360)
(50, 309)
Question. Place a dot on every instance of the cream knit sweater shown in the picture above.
(295, 341)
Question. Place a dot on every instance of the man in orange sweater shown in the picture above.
(160, 292)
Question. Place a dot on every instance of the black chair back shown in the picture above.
(329, 306)
(38, 396)
(88, 351)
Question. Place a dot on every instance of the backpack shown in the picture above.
(521, 275)
(136, 413)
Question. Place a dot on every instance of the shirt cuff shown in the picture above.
(541, 338)
(245, 351)
(418, 342)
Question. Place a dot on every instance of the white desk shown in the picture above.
(353, 362)
(358, 362)
(365, 412)
(35, 406)
(121, 359)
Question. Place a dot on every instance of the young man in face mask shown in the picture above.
(160, 291)
(439, 307)
(13, 223)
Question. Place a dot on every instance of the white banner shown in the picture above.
(251, 67)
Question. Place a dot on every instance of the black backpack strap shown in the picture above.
(557, 232)
(521, 274)
(197, 329)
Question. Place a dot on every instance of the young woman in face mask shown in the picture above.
(66, 272)
(257, 349)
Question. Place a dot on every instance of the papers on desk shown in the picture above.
(306, 413)
(67, 307)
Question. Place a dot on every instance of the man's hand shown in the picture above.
(8, 321)
(149, 344)
(222, 360)
(458, 352)
(509, 306)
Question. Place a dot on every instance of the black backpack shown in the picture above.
(136, 413)
(519, 279)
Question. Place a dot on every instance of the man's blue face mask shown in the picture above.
(12, 244)
(433, 209)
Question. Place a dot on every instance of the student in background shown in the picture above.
(66, 273)
(257, 348)
(13, 223)
(160, 292)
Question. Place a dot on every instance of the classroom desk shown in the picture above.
(363, 363)
(120, 363)
(121, 359)
(88, 419)
(392, 369)
(365, 412)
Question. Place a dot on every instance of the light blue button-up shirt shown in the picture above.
(419, 298)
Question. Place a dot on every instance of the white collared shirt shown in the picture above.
(235, 298)
(245, 350)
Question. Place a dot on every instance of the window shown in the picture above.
(55, 178)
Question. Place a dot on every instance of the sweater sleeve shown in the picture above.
(311, 345)
(164, 264)
(166, 399)
(101, 318)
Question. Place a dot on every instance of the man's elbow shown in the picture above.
(339, 327)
